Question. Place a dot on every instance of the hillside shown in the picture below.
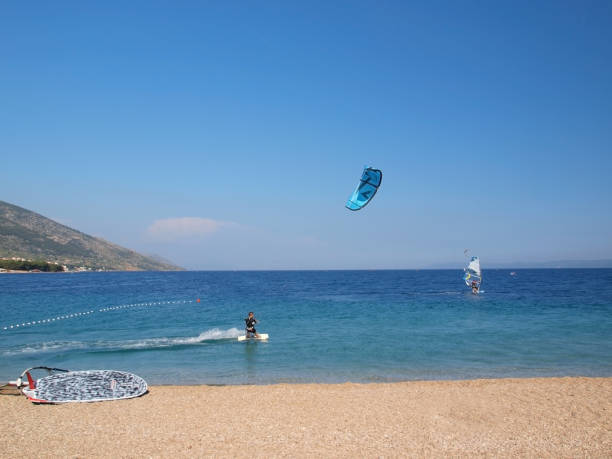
(29, 235)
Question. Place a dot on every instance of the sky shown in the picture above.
(228, 135)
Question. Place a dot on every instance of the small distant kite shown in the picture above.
(365, 191)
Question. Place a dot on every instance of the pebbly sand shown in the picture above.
(545, 417)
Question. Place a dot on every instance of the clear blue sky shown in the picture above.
(491, 121)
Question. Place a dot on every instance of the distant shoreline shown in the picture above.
(299, 270)
(90, 272)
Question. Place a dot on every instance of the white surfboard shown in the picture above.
(262, 336)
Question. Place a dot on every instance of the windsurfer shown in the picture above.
(473, 275)
(250, 326)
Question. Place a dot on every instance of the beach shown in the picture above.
(543, 417)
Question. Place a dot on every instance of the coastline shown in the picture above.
(558, 417)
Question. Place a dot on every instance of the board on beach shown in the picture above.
(262, 337)
(86, 386)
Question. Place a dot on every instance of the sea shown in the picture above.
(323, 326)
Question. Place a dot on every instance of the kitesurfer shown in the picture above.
(474, 287)
(250, 325)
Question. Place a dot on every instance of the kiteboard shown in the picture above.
(83, 386)
(262, 337)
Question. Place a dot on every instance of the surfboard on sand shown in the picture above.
(262, 337)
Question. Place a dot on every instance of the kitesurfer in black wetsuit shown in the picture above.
(474, 287)
(250, 326)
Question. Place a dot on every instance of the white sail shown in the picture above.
(474, 266)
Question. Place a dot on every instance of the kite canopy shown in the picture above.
(367, 188)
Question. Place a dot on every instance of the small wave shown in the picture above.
(36, 348)
(147, 343)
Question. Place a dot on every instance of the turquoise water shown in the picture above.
(324, 326)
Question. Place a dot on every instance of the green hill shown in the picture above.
(29, 235)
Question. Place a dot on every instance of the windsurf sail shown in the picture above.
(365, 191)
(473, 275)
(63, 386)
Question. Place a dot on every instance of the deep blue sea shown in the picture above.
(324, 326)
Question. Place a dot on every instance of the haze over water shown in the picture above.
(324, 326)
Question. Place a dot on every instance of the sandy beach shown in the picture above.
(553, 417)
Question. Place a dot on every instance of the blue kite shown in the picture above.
(365, 191)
